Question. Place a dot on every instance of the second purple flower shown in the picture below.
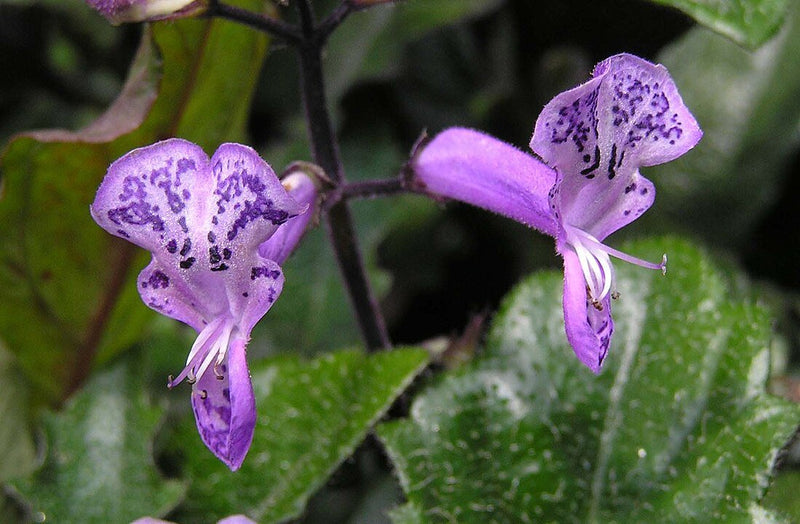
(591, 141)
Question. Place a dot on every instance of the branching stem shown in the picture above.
(308, 39)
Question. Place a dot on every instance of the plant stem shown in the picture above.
(325, 152)
(260, 22)
(372, 188)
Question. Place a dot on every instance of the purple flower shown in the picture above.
(591, 141)
(218, 230)
(118, 11)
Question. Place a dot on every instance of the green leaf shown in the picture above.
(746, 105)
(99, 465)
(782, 495)
(312, 415)
(59, 271)
(17, 450)
(370, 43)
(676, 428)
(747, 22)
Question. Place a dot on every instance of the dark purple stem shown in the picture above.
(371, 188)
(325, 152)
(266, 24)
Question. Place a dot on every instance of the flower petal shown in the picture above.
(225, 409)
(640, 107)
(163, 289)
(280, 245)
(598, 134)
(248, 202)
(481, 170)
(236, 519)
(118, 11)
(154, 196)
(588, 329)
(252, 294)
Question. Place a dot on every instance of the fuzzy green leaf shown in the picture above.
(677, 427)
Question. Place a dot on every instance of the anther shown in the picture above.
(615, 295)
(203, 394)
(218, 373)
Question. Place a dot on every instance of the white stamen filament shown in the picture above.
(211, 345)
(596, 265)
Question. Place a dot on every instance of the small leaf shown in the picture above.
(17, 450)
(312, 415)
(99, 465)
(677, 427)
(747, 22)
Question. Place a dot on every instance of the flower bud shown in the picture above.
(119, 11)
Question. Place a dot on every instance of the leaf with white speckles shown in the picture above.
(312, 415)
(99, 465)
(677, 427)
(747, 22)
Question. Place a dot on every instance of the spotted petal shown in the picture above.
(154, 195)
(597, 135)
(163, 289)
(224, 407)
(481, 170)
(249, 202)
(589, 327)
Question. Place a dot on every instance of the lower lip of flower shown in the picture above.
(595, 261)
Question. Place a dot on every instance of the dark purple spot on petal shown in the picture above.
(213, 255)
(172, 246)
(185, 164)
(158, 280)
(186, 264)
(258, 272)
